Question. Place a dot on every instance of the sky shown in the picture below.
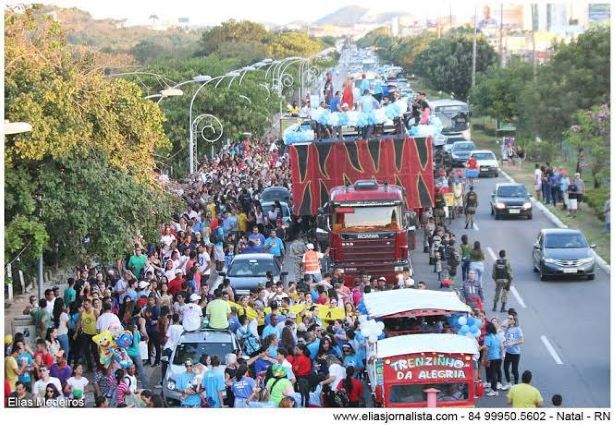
(266, 11)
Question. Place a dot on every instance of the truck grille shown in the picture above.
(374, 256)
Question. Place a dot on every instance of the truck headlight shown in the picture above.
(171, 385)
(499, 205)
(527, 205)
(466, 134)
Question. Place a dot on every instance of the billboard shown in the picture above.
(598, 13)
(318, 167)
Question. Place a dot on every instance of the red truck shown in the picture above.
(364, 195)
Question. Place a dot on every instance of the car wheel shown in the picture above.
(496, 216)
(530, 216)
(591, 277)
(491, 211)
(496, 174)
(535, 269)
(542, 276)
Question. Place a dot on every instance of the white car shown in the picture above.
(487, 162)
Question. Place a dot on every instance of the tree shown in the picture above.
(232, 32)
(499, 91)
(293, 43)
(88, 165)
(578, 77)
(590, 136)
(404, 52)
(447, 63)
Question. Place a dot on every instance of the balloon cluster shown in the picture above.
(433, 129)
(371, 329)
(113, 347)
(466, 325)
(297, 133)
(355, 118)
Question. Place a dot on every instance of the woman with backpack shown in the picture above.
(353, 388)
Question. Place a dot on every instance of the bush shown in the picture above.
(595, 198)
(540, 152)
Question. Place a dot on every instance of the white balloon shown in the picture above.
(365, 332)
(462, 320)
(373, 338)
(380, 326)
(363, 318)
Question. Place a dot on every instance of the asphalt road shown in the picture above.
(566, 324)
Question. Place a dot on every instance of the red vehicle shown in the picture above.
(364, 194)
(413, 311)
(408, 368)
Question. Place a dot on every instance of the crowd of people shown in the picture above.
(554, 186)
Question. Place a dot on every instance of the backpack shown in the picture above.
(250, 344)
(339, 398)
(471, 199)
(501, 270)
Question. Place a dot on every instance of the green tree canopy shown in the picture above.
(447, 62)
(88, 164)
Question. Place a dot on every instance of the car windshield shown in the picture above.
(368, 218)
(512, 192)
(271, 195)
(195, 350)
(565, 240)
(252, 267)
(484, 155)
(464, 147)
(415, 393)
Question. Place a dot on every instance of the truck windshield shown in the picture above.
(369, 218)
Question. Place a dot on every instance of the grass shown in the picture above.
(586, 220)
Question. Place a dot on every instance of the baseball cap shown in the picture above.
(309, 246)
(195, 297)
(143, 284)
(278, 371)
(382, 278)
(178, 271)
(188, 363)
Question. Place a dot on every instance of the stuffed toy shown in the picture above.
(120, 356)
(106, 345)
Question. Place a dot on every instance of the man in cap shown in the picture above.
(311, 261)
(187, 385)
(177, 284)
(382, 283)
(192, 314)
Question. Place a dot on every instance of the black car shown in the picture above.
(563, 253)
(512, 200)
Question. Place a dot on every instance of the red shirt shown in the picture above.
(322, 300)
(301, 365)
(472, 163)
(44, 358)
(357, 389)
(175, 285)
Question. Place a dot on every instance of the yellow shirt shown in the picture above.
(88, 322)
(524, 396)
(242, 222)
(211, 208)
(10, 364)
(217, 311)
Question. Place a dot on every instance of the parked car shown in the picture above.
(246, 271)
(487, 162)
(563, 253)
(511, 199)
(191, 346)
(461, 152)
(275, 193)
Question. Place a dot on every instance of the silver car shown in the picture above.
(192, 346)
(246, 271)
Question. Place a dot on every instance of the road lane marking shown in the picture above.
(517, 296)
(492, 254)
(551, 350)
(475, 226)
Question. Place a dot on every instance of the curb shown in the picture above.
(550, 215)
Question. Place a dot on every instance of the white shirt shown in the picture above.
(78, 384)
(39, 387)
(538, 176)
(132, 383)
(204, 260)
(337, 371)
(191, 317)
(173, 335)
(63, 324)
(108, 321)
(49, 307)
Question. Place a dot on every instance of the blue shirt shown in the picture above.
(269, 330)
(352, 360)
(198, 227)
(313, 347)
(333, 104)
(228, 223)
(258, 240)
(368, 103)
(184, 382)
(492, 342)
(277, 247)
(213, 382)
(364, 85)
(243, 388)
(513, 335)
(378, 87)
(26, 377)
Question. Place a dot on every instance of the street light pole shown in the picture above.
(474, 49)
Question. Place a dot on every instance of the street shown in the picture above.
(565, 323)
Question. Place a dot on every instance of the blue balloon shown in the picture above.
(464, 329)
(477, 334)
(473, 329)
(463, 321)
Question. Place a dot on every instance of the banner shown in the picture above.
(318, 167)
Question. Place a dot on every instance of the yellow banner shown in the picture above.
(326, 313)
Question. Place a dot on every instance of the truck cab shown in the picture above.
(368, 229)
